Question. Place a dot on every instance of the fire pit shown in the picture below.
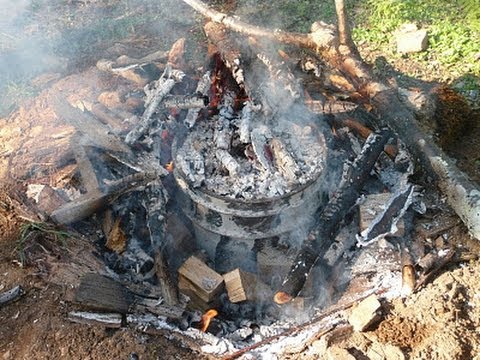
(253, 183)
(256, 166)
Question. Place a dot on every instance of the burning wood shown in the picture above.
(231, 56)
(203, 87)
(341, 53)
(160, 89)
(207, 318)
(283, 160)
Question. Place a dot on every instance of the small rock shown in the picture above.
(409, 39)
(337, 353)
(365, 313)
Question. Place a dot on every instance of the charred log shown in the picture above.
(90, 203)
(322, 236)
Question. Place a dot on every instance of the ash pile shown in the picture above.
(221, 200)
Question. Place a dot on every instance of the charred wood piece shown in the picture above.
(259, 138)
(222, 135)
(97, 133)
(167, 285)
(246, 121)
(192, 166)
(202, 89)
(90, 203)
(228, 161)
(230, 55)
(330, 106)
(109, 320)
(281, 76)
(160, 89)
(283, 160)
(11, 295)
(323, 235)
(386, 222)
(185, 101)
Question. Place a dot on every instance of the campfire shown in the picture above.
(239, 200)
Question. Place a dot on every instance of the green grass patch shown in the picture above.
(453, 28)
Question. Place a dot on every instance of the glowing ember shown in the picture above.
(206, 318)
(169, 166)
(282, 298)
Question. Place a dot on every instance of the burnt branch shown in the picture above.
(331, 216)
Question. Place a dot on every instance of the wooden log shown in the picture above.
(100, 293)
(162, 87)
(245, 286)
(322, 236)
(85, 123)
(197, 279)
(97, 292)
(90, 203)
(109, 320)
(168, 287)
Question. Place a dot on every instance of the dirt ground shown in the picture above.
(440, 321)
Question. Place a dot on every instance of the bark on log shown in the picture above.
(461, 193)
(334, 212)
(90, 203)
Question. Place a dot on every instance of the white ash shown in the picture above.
(245, 124)
(203, 86)
(259, 138)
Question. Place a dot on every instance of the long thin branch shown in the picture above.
(232, 23)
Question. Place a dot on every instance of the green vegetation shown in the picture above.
(453, 27)
(31, 233)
